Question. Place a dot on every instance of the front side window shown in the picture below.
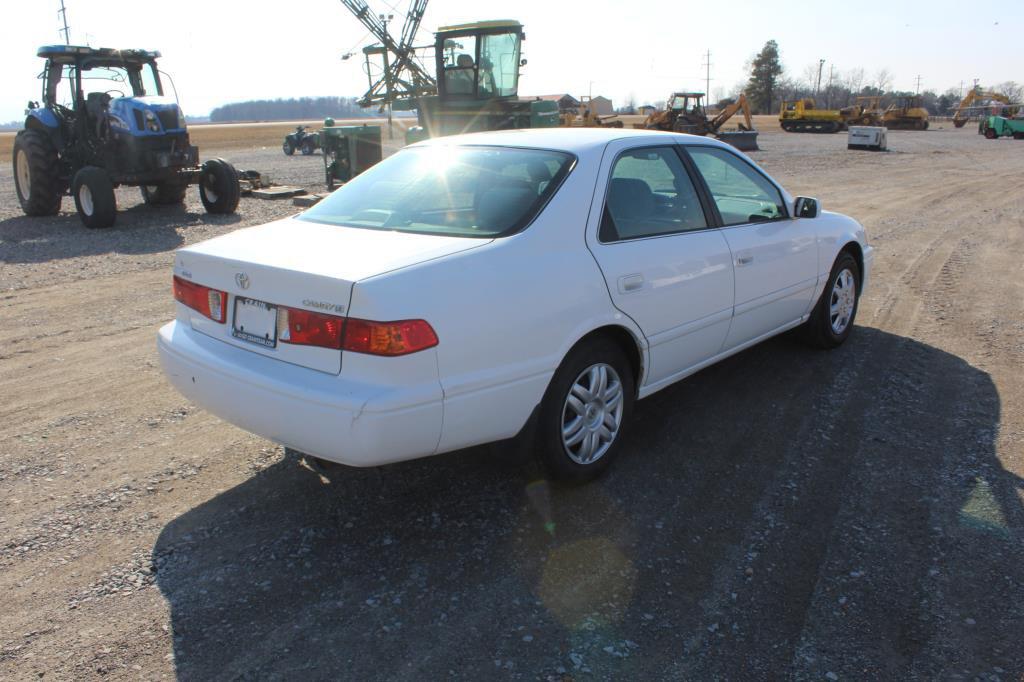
(448, 190)
(741, 193)
(460, 65)
(650, 194)
(499, 65)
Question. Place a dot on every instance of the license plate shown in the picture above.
(255, 322)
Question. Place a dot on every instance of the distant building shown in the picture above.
(646, 109)
(602, 106)
(565, 102)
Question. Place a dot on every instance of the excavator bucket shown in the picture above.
(744, 140)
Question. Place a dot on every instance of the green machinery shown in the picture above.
(1001, 126)
(477, 67)
(348, 150)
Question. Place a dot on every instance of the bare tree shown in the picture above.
(854, 80)
(1012, 90)
(883, 79)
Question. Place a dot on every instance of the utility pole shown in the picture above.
(384, 19)
(918, 91)
(707, 75)
(64, 17)
(961, 89)
(828, 88)
(817, 84)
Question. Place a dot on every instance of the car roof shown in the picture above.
(572, 140)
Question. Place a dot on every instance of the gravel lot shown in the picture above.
(787, 513)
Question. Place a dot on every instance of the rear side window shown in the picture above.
(650, 194)
(741, 193)
(448, 190)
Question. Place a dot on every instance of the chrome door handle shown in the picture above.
(744, 260)
(630, 283)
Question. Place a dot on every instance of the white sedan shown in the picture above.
(472, 288)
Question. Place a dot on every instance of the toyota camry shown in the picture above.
(472, 288)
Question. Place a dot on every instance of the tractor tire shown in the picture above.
(1018, 136)
(37, 174)
(308, 146)
(288, 148)
(94, 197)
(163, 194)
(990, 133)
(218, 187)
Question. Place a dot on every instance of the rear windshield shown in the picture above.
(449, 190)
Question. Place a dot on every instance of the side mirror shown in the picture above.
(806, 207)
(522, 62)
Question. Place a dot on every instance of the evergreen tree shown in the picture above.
(765, 71)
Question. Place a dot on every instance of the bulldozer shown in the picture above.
(865, 111)
(906, 113)
(967, 106)
(685, 113)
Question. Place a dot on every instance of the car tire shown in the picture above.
(288, 148)
(163, 194)
(94, 197)
(37, 178)
(218, 187)
(833, 316)
(578, 433)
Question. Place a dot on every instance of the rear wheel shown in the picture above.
(581, 418)
(218, 186)
(37, 174)
(164, 193)
(308, 146)
(94, 197)
(832, 319)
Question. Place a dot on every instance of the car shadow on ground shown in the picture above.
(139, 229)
(785, 512)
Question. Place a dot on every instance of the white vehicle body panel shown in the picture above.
(506, 311)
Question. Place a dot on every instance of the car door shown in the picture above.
(775, 257)
(666, 265)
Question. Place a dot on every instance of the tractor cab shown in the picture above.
(477, 69)
(479, 61)
(96, 94)
(687, 103)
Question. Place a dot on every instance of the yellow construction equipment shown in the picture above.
(685, 113)
(964, 110)
(572, 118)
(906, 113)
(803, 116)
(866, 111)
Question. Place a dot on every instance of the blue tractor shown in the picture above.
(104, 121)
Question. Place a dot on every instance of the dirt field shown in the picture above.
(857, 514)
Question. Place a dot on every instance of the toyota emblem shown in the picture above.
(242, 280)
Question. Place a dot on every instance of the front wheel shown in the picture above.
(581, 418)
(832, 319)
(288, 148)
(218, 187)
(94, 197)
(990, 133)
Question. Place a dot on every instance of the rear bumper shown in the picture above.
(316, 413)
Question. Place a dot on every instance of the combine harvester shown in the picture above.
(685, 113)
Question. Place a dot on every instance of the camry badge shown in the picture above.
(242, 280)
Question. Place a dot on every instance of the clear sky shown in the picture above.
(219, 51)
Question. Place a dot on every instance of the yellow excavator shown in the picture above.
(685, 113)
(963, 111)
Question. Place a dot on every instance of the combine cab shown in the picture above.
(478, 84)
(105, 121)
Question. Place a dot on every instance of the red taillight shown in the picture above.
(388, 338)
(209, 302)
(305, 328)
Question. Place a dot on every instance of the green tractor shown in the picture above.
(993, 127)
(477, 68)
